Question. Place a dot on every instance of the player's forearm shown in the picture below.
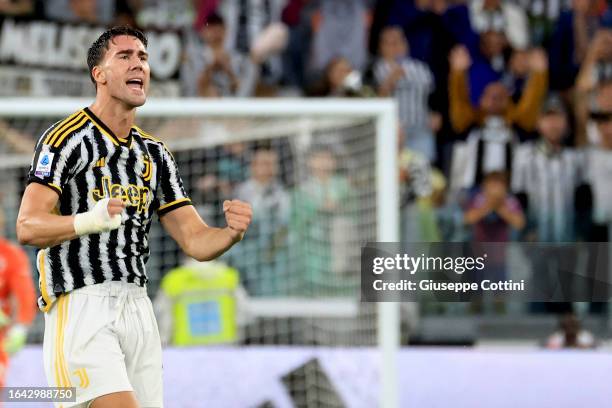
(45, 230)
(208, 243)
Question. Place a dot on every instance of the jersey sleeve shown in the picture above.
(54, 163)
(171, 192)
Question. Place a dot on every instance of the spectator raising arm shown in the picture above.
(525, 114)
(462, 113)
(587, 81)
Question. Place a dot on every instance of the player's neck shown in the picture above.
(116, 116)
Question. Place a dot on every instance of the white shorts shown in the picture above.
(103, 339)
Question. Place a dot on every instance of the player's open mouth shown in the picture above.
(135, 83)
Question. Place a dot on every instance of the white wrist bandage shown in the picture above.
(97, 220)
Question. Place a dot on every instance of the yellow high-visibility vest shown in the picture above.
(203, 303)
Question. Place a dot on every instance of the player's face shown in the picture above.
(125, 70)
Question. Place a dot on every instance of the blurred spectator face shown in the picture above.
(492, 43)
(605, 53)
(435, 6)
(519, 63)
(264, 166)
(85, 10)
(552, 126)
(495, 186)
(322, 164)
(213, 33)
(604, 103)
(337, 71)
(495, 99)
(237, 149)
(491, 4)
(393, 44)
(585, 6)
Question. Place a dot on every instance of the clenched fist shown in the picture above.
(238, 216)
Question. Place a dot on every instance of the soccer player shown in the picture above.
(95, 182)
(17, 306)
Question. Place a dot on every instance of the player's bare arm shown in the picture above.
(38, 226)
(202, 242)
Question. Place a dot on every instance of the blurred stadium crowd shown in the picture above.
(505, 106)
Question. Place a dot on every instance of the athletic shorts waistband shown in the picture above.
(113, 289)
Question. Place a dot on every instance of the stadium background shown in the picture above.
(550, 57)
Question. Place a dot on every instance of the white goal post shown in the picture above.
(382, 112)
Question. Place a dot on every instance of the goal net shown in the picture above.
(320, 176)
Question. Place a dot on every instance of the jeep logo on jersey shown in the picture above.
(132, 195)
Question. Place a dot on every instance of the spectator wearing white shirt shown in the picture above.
(80, 11)
(262, 256)
(340, 30)
(495, 15)
(600, 158)
(245, 21)
(212, 70)
(542, 16)
(411, 83)
(548, 176)
(594, 127)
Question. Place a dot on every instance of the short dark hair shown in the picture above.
(496, 176)
(98, 49)
(215, 19)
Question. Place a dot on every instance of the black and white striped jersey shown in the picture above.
(83, 161)
(411, 91)
(549, 179)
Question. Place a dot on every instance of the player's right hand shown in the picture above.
(104, 217)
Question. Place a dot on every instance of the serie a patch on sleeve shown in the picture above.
(43, 167)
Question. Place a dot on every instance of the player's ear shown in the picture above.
(98, 74)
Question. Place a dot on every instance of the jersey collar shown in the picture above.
(105, 130)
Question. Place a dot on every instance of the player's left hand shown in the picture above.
(238, 216)
(15, 339)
